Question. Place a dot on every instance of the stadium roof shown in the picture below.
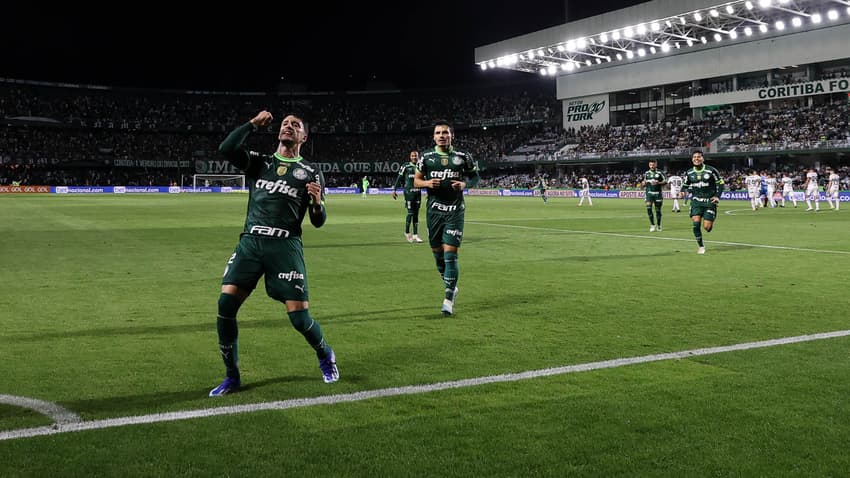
(660, 27)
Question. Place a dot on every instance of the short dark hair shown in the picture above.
(697, 151)
(442, 122)
(301, 117)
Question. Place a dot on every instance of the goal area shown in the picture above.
(218, 180)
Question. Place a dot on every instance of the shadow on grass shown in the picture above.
(132, 330)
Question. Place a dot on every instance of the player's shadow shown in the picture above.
(131, 330)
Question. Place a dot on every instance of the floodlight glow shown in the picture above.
(764, 3)
(581, 43)
(540, 53)
(587, 62)
(714, 12)
(780, 25)
(748, 4)
(848, 11)
(682, 20)
(571, 45)
(703, 40)
(832, 14)
(551, 70)
(641, 52)
(655, 26)
(491, 64)
(717, 37)
(543, 71)
(677, 45)
(763, 28)
(652, 50)
(629, 54)
(568, 66)
(733, 34)
(560, 47)
(669, 24)
(816, 18)
(483, 66)
(729, 9)
(690, 42)
(578, 65)
(619, 56)
(500, 61)
(748, 31)
(615, 34)
(698, 16)
(641, 29)
(665, 47)
(609, 59)
(783, 1)
(628, 32)
(796, 21)
(603, 38)
(598, 61)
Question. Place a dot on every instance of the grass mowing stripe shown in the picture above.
(407, 390)
(639, 236)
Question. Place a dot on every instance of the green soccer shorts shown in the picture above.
(280, 260)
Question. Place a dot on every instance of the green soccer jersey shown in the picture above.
(405, 177)
(658, 177)
(703, 183)
(452, 166)
(277, 187)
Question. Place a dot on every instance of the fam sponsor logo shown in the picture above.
(454, 232)
(443, 207)
(269, 231)
(290, 276)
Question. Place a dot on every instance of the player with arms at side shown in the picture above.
(675, 183)
(753, 183)
(585, 191)
(654, 179)
(412, 197)
(283, 189)
(788, 190)
(705, 185)
(445, 172)
(544, 188)
(812, 193)
(832, 189)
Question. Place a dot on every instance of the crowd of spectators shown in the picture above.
(63, 135)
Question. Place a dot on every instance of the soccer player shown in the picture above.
(365, 183)
(832, 189)
(706, 186)
(787, 190)
(412, 197)
(654, 179)
(585, 192)
(812, 193)
(445, 172)
(770, 180)
(675, 183)
(753, 183)
(543, 189)
(283, 189)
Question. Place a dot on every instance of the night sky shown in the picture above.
(411, 45)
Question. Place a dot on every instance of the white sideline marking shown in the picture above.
(408, 390)
(661, 238)
(52, 410)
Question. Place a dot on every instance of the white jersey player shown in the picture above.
(585, 192)
(788, 190)
(771, 189)
(753, 183)
(812, 190)
(832, 189)
(675, 183)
